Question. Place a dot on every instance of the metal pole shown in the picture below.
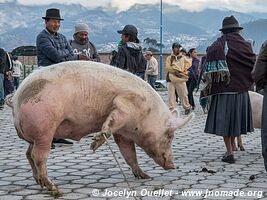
(160, 56)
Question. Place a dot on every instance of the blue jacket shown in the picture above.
(53, 49)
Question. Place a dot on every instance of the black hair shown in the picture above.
(191, 51)
(132, 38)
(176, 45)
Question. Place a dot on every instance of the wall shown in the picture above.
(32, 60)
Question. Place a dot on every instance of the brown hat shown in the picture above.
(52, 13)
(229, 23)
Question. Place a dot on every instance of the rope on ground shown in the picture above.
(122, 172)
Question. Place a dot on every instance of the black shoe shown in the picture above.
(188, 111)
(2, 103)
(228, 158)
(63, 141)
(53, 146)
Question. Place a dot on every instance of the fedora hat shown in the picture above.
(52, 13)
(230, 23)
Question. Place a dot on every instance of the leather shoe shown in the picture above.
(188, 111)
(62, 141)
(228, 158)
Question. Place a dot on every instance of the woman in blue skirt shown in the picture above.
(229, 63)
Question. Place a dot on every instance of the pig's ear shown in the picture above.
(178, 122)
(175, 113)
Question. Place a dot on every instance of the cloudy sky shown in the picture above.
(194, 5)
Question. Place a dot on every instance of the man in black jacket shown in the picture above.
(259, 74)
(130, 56)
(5, 63)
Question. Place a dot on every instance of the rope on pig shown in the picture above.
(125, 178)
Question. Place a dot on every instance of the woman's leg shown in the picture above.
(228, 157)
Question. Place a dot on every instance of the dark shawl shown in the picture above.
(240, 60)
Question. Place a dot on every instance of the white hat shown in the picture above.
(81, 27)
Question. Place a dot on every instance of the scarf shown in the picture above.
(216, 67)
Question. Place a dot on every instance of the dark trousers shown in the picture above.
(264, 128)
(16, 82)
(191, 85)
(8, 85)
(141, 75)
(151, 79)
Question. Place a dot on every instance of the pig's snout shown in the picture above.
(168, 166)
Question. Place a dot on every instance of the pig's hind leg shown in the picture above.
(31, 161)
(40, 151)
(240, 143)
(127, 149)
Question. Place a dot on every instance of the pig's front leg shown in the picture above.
(127, 149)
(114, 122)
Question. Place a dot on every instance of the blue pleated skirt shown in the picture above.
(229, 114)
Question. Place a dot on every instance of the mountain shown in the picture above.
(20, 24)
(202, 19)
(256, 31)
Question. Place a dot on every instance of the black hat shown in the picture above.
(52, 13)
(129, 29)
(230, 23)
(176, 45)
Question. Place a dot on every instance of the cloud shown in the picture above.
(190, 5)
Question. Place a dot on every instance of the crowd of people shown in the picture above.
(10, 69)
(226, 71)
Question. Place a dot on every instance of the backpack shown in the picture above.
(112, 57)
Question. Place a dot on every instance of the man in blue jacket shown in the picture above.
(53, 47)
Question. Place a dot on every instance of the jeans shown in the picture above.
(16, 82)
(152, 80)
(264, 128)
(191, 85)
(140, 75)
(2, 90)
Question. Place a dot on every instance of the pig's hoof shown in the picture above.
(141, 175)
(51, 186)
(98, 141)
(235, 149)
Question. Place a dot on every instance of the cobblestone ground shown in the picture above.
(82, 174)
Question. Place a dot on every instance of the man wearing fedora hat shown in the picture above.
(52, 46)
(228, 67)
(81, 43)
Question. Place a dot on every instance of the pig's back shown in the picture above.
(83, 79)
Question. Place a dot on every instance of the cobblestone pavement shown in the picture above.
(82, 174)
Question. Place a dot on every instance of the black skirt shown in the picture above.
(229, 115)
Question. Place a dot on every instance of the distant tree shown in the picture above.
(153, 45)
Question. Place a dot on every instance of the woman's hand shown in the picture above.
(178, 74)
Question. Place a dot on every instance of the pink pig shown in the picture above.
(73, 99)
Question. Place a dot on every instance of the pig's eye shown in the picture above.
(170, 137)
